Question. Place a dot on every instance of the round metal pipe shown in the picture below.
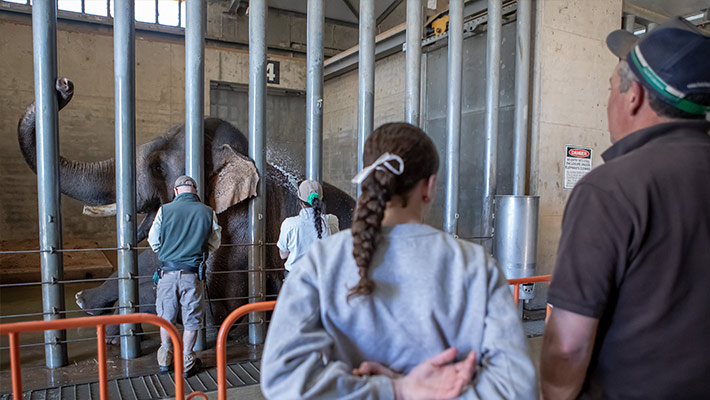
(515, 245)
(522, 95)
(413, 72)
(493, 45)
(366, 78)
(453, 119)
(314, 89)
(195, 91)
(125, 132)
(257, 152)
(44, 45)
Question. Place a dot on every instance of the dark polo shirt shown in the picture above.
(635, 253)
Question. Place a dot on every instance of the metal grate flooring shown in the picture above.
(155, 386)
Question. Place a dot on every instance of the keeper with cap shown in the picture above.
(629, 295)
(311, 224)
(183, 233)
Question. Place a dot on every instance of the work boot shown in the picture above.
(192, 364)
(165, 358)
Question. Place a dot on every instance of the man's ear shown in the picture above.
(636, 98)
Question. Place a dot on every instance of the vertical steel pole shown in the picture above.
(44, 44)
(314, 89)
(366, 78)
(491, 116)
(453, 119)
(124, 61)
(195, 104)
(195, 91)
(257, 152)
(630, 22)
(522, 95)
(412, 85)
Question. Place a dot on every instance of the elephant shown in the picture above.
(230, 179)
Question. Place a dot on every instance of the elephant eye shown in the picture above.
(157, 169)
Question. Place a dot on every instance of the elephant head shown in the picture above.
(230, 176)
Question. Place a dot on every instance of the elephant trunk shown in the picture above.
(89, 182)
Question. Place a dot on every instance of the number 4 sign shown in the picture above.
(273, 72)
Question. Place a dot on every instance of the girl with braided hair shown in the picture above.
(393, 308)
(311, 224)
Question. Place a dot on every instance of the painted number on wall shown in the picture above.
(273, 72)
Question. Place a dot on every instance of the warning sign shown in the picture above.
(578, 161)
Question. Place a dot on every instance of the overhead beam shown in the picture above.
(388, 11)
(352, 8)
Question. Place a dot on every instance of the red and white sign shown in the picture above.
(578, 162)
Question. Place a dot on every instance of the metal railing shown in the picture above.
(233, 317)
(12, 331)
(524, 281)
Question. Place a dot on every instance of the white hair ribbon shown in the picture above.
(381, 164)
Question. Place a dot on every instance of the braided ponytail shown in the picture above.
(318, 209)
(421, 161)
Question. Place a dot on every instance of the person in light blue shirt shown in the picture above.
(394, 308)
(300, 232)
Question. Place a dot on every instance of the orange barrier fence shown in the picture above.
(231, 319)
(523, 281)
(100, 322)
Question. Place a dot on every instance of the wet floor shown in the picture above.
(81, 349)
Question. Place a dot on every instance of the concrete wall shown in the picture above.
(85, 52)
(571, 71)
(340, 117)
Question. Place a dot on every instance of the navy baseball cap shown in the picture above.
(673, 61)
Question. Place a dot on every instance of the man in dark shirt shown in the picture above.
(630, 297)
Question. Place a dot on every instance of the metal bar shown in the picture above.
(125, 117)
(389, 10)
(179, 24)
(101, 350)
(83, 6)
(44, 43)
(522, 95)
(314, 89)
(453, 119)
(195, 104)
(366, 78)
(412, 84)
(195, 91)
(257, 152)
(493, 45)
(15, 365)
(221, 351)
(156, 12)
(83, 322)
(630, 22)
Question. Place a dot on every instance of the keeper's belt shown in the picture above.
(172, 266)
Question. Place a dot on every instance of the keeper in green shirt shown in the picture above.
(182, 234)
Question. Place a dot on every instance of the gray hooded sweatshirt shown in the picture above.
(432, 292)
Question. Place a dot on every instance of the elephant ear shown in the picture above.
(234, 178)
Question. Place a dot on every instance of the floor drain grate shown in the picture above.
(154, 386)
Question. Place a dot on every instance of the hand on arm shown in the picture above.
(566, 351)
(435, 378)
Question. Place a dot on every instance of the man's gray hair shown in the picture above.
(627, 77)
